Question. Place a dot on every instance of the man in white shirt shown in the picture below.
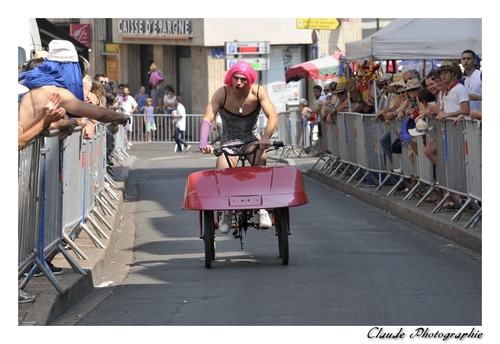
(456, 98)
(129, 106)
(179, 114)
(473, 82)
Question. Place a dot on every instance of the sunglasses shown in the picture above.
(400, 92)
(413, 90)
(341, 93)
(103, 82)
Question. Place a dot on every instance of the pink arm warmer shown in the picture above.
(204, 133)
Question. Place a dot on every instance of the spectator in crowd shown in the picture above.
(387, 115)
(169, 102)
(342, 104)
(305, 112)
(239, 103)
(160, 108)
(65, 125)
(452, 102)
(101, 78)
(473, 80)
(333, 86)
(432, 86)
(413, 86)
(50, 112)
(169, 99)
(121, 87)
(179, 114)
(129, 106)
(149, 118)
(412, 74)
(427, 99)
(388, 94)
(156, 94)
(140, 98)
(100, 93)
(162, 121)
(456, 98)
(61, 73)
(319, 100)
(430, 149)
(112, 102)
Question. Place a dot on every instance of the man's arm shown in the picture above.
(464, 110)
(82, 109)
(213, 107)
(209, 116)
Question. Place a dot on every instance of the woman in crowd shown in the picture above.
(169, 103)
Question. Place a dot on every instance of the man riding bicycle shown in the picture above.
(239, 103)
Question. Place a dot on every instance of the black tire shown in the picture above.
(281, 223)
(209, 237)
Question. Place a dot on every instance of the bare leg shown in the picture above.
(222, 162)
(260, 157)
(430, 151)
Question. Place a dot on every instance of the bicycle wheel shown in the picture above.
(209, 237)
(282, 232)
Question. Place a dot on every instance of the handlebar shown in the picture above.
(275, 145)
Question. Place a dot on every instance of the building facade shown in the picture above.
(193, 54)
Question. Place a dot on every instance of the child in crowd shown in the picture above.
(149, 118)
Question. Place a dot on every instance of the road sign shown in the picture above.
(314, 52)
(317, 23)
(247, 48)
(258, 63)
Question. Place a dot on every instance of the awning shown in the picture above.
(49, 31)
(319, 69)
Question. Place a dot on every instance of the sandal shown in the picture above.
(431, 199)
(449, 206)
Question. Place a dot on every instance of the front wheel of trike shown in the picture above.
(281, 223)
(209, 237)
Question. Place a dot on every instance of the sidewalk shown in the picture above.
(49, 304)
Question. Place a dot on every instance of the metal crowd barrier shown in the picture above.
(164, 130)
(290, 131)
(355, 149)
(61, 182)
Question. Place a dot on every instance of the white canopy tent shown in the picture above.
(414, 39)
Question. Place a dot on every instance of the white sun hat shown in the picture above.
(420, 129)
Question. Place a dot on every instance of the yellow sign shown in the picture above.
(317, 23)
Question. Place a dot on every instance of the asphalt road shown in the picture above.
(350, 264)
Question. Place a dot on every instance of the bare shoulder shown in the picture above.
(218, 96)
(259, 91)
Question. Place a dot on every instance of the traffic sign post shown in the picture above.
(314, 52)
(253, 51)
(258, 63)
(247, 48)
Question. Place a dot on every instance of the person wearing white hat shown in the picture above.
(61, 73)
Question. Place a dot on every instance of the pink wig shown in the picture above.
(241, 67)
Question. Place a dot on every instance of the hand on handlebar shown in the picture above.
(208, 149)
(264, 144)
